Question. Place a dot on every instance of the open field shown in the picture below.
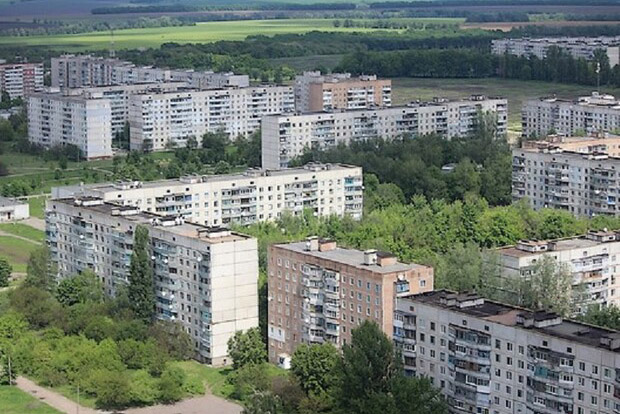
(17, 252)
(37, 206)
(507, 26)
(15, 401)
(23, 230)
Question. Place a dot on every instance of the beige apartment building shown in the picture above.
(315, 92)
(20, 79)
(205, 278)
(319, 292)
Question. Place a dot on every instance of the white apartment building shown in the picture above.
(170, 118)
(491, 358)
(578, 47)
(55, 119)
(205, 278)
(593, 260)
(21, 79)
(256, 195)
(317, 92)
(285, 137)
(76, 71)
(587, 114)
(579, 175)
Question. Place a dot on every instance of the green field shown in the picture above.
(23, 230)
(200, 33)
(17, 252)
(15, 401)
(37, 206)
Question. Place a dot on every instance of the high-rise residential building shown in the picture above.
(578, 47)
(319, 292)
(573, 174)
(316, 92)
(491, 358)
(56, 119)
(158, 120)
(590, 259)
(205, 278)
(587, 114)
(253, 196)
(76, 71)
(285, 137)
(21, 79)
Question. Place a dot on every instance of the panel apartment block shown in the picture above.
(285, 137)
(170, 118)
(21, 79)
(55, 119)
(578, 175)
(319, 292)
(490, 358)
(578, 47)
(591, 259)
(256, 195)
(205, 278)
(315, 92)
(587, 114)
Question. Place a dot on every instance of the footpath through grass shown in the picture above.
(23, 230)
(15, 401)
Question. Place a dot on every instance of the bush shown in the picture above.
(143, 389)
(171, 384)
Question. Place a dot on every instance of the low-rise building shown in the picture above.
(19, 80)
(13, 210)
(205, 278)
(253, 196)
(285, 137)
(491, 358)
(319, 292)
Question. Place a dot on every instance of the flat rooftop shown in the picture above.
(559, 245)
(351, 257)
(507, 315)
(131, 214)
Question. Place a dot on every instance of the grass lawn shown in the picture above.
(15, 401)
(23, 230)
(17, 251)
(214, 378)
(37, 206)
(200, 33)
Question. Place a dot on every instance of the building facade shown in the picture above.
(578, 176)
(319, 292)
(13, 210)
(158, 120)
(55, 119)
(315, 92)
(490, 358)
(256, 195)
(588, 114)
(21, 79)
(591, 259)
(285, 137)
(578, 47)
(205, 278)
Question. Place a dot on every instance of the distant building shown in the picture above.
(319, 292)
(315, 92)
(205, 278)
(245, 198)
(578, 47)
(21, 79)
(13, 210)
(285, 137)
(587, 114)
(489, 357)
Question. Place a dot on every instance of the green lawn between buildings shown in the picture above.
(23, 230)
(16, 251)
(16, 401)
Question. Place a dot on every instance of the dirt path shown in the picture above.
(52, 398)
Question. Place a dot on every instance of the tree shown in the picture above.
(171, 384)
(246, 348)
(461, 268)
(263, 402)
(605, 316)
(5, 272)
(171, 337)
(40, 270)
(141, 290)
(548, 288)
(418, 396)
(81, 288)
(313, 366)
(111, 388)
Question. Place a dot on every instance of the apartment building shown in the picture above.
(316, 92)
(20, 79)
(592, 260)
(76, 71)
(491, 358)
(285, 137)
(256, 195)
(587, 114)
(577, 175)
(205, 277)
(160, 119)
(56, 119)
(319, 292)
(578, 47)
